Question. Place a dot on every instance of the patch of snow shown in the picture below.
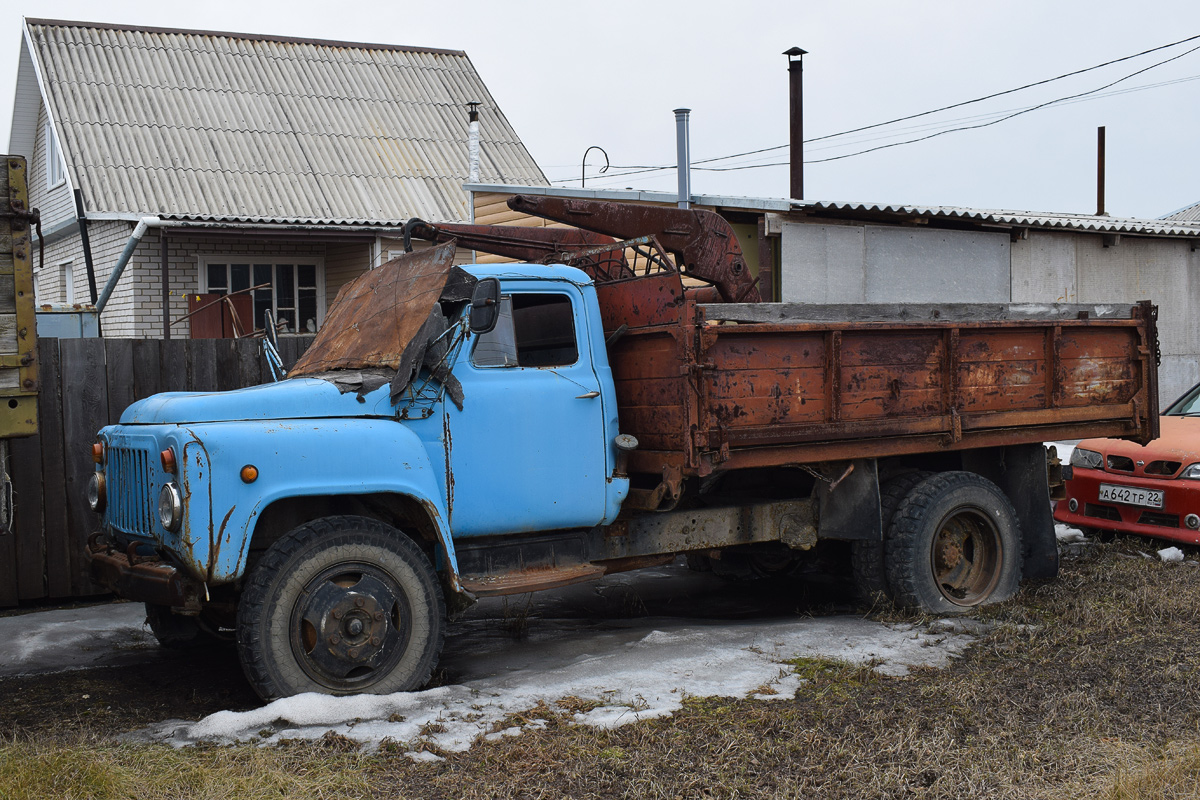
(1170, 554)
(72, 638)
(1066, 534)
(635, 670)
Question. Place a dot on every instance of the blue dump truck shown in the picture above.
(462, 432)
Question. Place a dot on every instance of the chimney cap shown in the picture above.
(795, 51)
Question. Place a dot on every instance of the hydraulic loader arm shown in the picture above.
(535, 245)
(703, 244)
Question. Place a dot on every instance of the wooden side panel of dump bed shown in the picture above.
(726, 386)
(823, 383)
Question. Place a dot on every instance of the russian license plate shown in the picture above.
(1131, 495)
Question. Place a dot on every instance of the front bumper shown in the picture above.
(1180, 498)
(135, 577)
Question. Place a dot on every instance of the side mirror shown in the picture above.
(485, 305)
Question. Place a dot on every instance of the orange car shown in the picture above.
(1115, 485)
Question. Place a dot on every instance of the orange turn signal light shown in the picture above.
(168, 461)
(249, 473)
(98, 452)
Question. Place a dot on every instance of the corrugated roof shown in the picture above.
(239, 126)
(1079, 222)
(1188, 214)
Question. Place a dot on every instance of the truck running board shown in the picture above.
(531, 580)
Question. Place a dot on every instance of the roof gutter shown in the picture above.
(144, 224)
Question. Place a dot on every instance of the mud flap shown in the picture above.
(1020, 472)
(848, 500)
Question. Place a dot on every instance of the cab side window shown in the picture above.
(534, 330)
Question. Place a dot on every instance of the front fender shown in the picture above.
(294, 458)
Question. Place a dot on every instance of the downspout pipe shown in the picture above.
(144, 224)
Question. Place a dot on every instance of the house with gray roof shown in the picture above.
(1187, 214)
(250, 161)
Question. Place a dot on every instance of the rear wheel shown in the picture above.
(765, 562)
(954, 544)
(341, 605)
(867, 555)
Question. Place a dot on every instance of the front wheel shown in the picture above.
(954, 544)
(341, 605)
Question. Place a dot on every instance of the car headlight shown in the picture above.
(1192, 472)
(1088, 459)
(97, 495)
(170, 507)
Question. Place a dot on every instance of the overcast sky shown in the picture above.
(570, 75)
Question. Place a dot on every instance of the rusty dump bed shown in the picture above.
(708, 387)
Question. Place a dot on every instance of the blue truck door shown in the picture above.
(527, 451)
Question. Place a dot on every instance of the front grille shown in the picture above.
(1163, 467)
(131, 503)
(1120, 464)
(1159, 518)
(1101, 512)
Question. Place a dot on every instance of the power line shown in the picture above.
(637, 169)
(1008, 117)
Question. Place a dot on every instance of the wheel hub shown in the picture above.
(949, 553)
(350, 627)
(358, 628)
(967, 553)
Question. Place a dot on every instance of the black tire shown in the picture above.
(867, 555)
(179, 632)
(756, 564)
(954, 544)
(341, 605)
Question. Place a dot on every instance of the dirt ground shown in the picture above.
(1084, 687)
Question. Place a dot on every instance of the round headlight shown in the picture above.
(170, 507)
(96, 494)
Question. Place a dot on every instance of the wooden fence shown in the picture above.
(85, 385)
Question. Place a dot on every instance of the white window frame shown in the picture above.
(56, 170)
(66, 277)
(273, 260)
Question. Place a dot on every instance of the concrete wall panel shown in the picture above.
(936, 266)
(1043, 268)
(823, 263)
(1176, 375)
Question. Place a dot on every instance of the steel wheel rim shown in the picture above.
(350, 626)
(966, 556)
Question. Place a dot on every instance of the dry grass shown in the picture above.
(1084, 687)
(63, 770)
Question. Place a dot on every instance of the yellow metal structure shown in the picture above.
(18, 334)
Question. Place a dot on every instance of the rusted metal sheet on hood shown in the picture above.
(377, 318)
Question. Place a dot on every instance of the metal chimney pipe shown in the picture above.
(796, 113)
(1100, 172)
(473, 142)
(683, 157)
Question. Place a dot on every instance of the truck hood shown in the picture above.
(295, 398)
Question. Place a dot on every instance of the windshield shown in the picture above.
(1188, 405)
